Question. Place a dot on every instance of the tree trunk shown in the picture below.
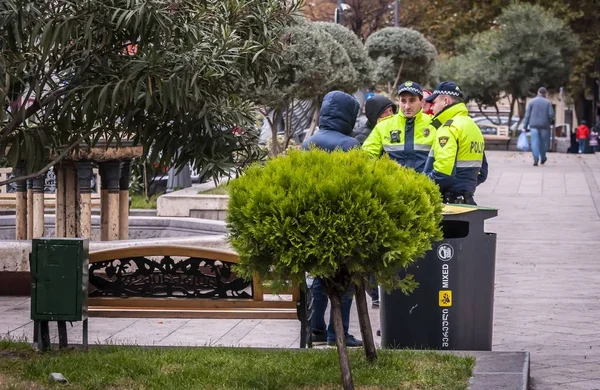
(365, 323)
(145, 173)
(395, 86)
(288, 125)
(512, 101)
(340, 341)
(277, 114)
(315, 119)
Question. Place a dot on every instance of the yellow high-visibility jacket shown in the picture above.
(407, 141)
(457, 160)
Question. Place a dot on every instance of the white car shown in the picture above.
(490, 126)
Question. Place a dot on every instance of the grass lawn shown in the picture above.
(130, 367)
(138, 201)
(219, 190)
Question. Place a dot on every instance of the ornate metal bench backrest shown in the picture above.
(168, 271)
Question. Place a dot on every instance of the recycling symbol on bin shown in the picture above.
(445, 252)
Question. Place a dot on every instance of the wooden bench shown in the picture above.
(158, 281)
(501, 137)
(179, 282)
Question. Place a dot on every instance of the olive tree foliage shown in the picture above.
(165, 74)
(341, 217)
(410, 54)
(319, 57)
(529, 48)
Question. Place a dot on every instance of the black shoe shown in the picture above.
(378, 332)
(318, 337)
(351, 341)
(375, 304)
(544, 161)
(535, 163)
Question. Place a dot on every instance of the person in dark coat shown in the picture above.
(376, 108)
(336, 121)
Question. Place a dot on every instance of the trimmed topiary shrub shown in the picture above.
(410, 54)
(340, 216)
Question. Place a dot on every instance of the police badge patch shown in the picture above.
(426, 132)
(443, 141)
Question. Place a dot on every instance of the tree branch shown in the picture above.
(52, 163)
(288, 127)
(36, 106)
(480, 107)
(395, 86)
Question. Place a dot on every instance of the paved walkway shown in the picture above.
(548, 265)
(547, 279)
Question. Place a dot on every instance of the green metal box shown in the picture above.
(59, 279)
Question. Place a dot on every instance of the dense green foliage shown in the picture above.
(327, 213)
(412, 55)
(494, 63)
(165, 74)
(317, 58)
(355, 49)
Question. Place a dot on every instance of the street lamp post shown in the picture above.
(396, 12)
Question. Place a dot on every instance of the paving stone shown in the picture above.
(237, 332)
(199, 332)
(495, 381)
(585, 385)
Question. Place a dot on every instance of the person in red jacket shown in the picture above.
(427, 107)
(583, 132)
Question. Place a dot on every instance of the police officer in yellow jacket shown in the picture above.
(457, 161)
(407, 136)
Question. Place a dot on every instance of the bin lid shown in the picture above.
(454, 209)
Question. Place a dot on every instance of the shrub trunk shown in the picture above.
(365, 323)
(340, 340)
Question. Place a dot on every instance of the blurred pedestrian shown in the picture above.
(582, 134)
(539, 118)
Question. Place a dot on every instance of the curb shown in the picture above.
(500, 370)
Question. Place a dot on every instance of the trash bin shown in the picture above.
(453, 306)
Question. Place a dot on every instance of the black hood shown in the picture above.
(338, 112)
(375, 106)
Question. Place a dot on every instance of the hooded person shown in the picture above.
(336, 122)
(377, 108)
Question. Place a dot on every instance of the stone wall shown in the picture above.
(14, 255)
(188, 203)
(139, 227)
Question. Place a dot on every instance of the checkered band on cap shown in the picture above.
(411, 89)
(452, 93)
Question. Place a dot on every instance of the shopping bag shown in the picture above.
(523, 142)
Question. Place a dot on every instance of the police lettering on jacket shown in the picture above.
(457, 160)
